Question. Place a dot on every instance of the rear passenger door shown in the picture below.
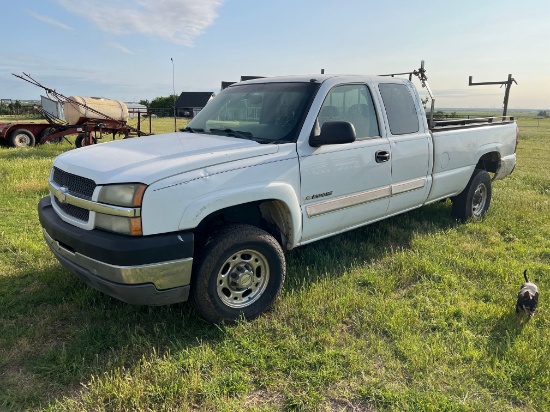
(411, 147)
(345, 185)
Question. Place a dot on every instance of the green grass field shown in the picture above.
(414, 313)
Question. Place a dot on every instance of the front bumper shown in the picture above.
(148, 270)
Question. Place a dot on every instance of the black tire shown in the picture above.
(475, 199)
(22, 138)
(240, 273)
(81, 140)
(46, 132)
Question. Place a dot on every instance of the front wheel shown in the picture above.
(474, 201)
(240, 273)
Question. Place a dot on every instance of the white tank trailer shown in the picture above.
(76, 114)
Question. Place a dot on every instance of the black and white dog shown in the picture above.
(528, 297)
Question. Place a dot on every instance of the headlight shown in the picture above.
(124, 195)
(118, 224)
(129, 195)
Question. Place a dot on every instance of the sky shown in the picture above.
(142, 49)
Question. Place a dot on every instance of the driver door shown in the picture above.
(345, 185)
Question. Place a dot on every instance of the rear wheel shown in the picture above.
(21, 138)
(46, 132)
(475, 199)
(82, 141)
(240, 273)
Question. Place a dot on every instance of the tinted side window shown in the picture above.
(400, 108)
(351, 103)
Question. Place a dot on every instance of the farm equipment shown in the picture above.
(90, 118)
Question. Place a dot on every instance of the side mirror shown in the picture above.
(336, 132)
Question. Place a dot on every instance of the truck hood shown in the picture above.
(152, 158)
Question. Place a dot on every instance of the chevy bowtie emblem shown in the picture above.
(61, 194)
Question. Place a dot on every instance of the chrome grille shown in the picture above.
(73, 211)
(77, 185)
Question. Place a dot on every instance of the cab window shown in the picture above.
(351, 103)
(400, 108)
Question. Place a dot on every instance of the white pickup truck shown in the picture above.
(207, 213)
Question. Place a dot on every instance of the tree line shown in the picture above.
(15, 108)
(161, 106)
(160, 102)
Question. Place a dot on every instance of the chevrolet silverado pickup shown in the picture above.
(206, 214)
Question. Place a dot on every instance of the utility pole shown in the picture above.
(174, 94)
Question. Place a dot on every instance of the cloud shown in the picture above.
(120, 47)
(177, 21)
(49, 20)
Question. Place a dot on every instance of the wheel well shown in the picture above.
(272, 216)
(489, 162)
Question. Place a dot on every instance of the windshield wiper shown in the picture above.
(243, 135)
(235, 133)
(191, 130)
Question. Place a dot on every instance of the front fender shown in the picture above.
(203, 206)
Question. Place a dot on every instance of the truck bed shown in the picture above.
(458, 149)
(451, 124)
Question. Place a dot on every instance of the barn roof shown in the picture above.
(226, 84)
(245, 78)
(193, 99)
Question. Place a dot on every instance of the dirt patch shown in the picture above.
(264, 398)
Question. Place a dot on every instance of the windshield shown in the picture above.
(264, 112)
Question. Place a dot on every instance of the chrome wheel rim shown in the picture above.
(243, 278)
(479, 200)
